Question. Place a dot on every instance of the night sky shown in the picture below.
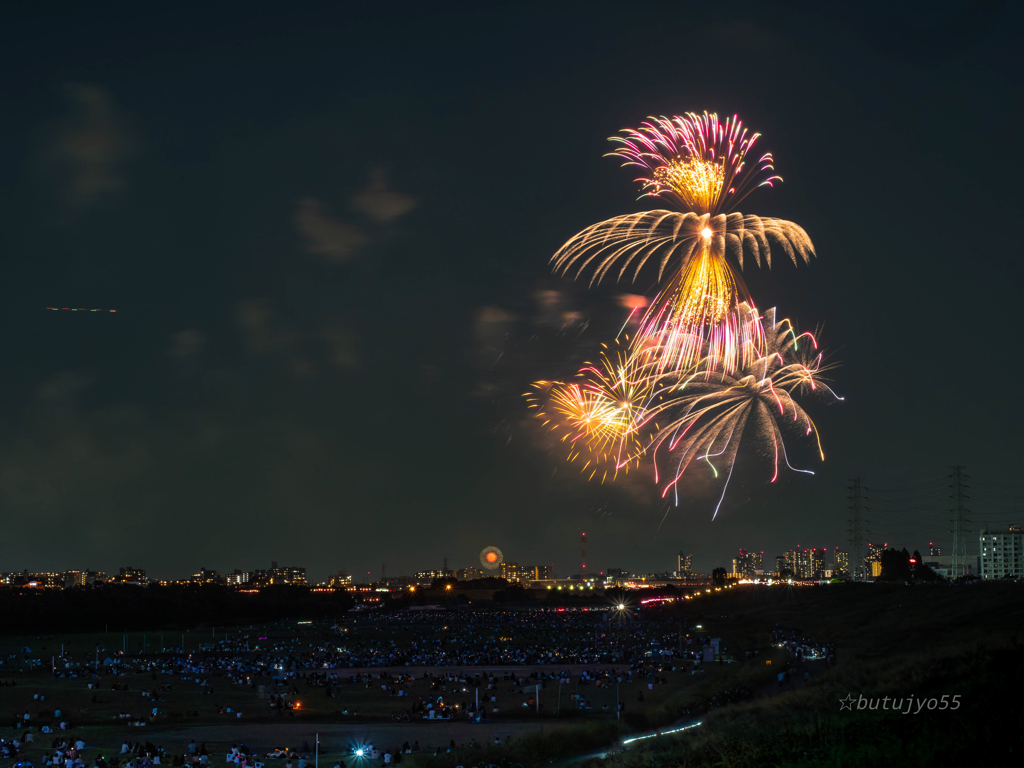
(326, 232)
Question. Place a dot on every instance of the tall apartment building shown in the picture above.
(797, 563)
(1002, 553)
(748, 563)
(841, 561)
(684, 565)
(806, 563)
(510, 571)
(873, 559)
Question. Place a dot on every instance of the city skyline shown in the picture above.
(802, 559)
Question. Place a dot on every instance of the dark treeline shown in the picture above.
(118, 608)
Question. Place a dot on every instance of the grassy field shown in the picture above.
(892, 640)
(187, 702)
(898, 641)
(357, 711)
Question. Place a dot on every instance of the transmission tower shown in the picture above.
(856, 529)
(958, 487)
(583, 555)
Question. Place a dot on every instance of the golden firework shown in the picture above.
(697, 182)
(599, 413)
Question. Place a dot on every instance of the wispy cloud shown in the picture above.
(381, 203)
(187, 343)
(325, 235)
(91, 146)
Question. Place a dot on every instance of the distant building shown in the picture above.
(873, 558)
(840, 562)
(1002, 553)
(817, 560)
(934, 551)
(206, 576)
(684, 565)
(521, 573)
(943, 565)
(48, 580)
(27, 580)
(340, 580)
(237, 578)
(805, 563)
(615, 575)
(510, 571)
(287, 574)
(748, 564)
(799, 563)
(129, 575)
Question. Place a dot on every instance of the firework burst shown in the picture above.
(698, 161)
(706, 373)
(599, 414)
(707, 417)
(700, 164)
(491, 558)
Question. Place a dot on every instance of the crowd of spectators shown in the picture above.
(433, 662)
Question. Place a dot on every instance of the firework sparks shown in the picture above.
(491, 558)
(672, 239)
(698, 163)
(705, 362)
(599, 414)
(708, 417)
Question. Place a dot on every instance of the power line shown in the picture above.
(998, 485)
(856, 532)
(958, 485)
(914, 513)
